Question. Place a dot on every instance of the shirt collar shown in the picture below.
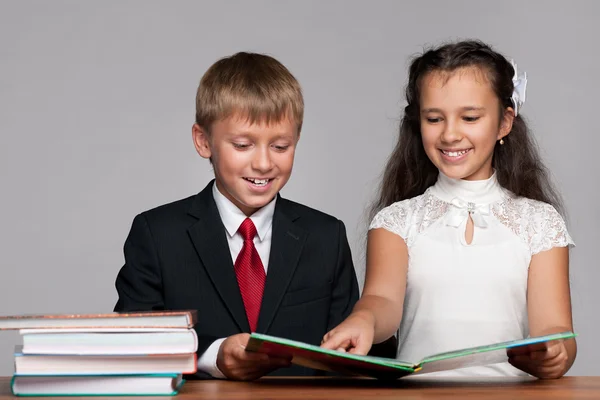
(233, 217)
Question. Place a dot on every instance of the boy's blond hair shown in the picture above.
(254, 86)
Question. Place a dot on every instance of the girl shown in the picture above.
(467, 247)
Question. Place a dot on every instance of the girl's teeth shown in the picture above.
(455, 153)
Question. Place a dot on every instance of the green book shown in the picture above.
(312, 356)
(96, 385)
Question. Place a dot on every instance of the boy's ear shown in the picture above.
(201, 141)
(506, 123)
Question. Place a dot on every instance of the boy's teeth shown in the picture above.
(260, 182)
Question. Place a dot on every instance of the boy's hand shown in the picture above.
(354, 335)
(236, 363)
(549, 362)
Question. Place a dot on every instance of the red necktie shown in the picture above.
(250, 273)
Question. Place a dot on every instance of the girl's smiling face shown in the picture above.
(461, 121)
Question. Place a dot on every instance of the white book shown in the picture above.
(106, 385)
(59, 364)
(28, 331)
(86, 342)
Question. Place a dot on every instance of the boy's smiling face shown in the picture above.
(252, 161)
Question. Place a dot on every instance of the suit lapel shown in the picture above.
(287, 241)
(209, 238)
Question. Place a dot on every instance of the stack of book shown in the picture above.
(141, 353)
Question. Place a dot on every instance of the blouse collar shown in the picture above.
(479, 192)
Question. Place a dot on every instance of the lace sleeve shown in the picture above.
(393, 218)
(551, 231)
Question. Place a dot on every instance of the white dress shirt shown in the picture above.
(232, 217)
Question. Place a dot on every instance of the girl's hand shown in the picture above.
(354, 335)
(551, 362)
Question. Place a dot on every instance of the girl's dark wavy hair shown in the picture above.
(409, 172)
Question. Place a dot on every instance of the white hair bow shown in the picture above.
(461, 211)
(520, 87)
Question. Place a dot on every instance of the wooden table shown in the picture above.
(405, 389)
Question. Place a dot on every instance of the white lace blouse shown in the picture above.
(462, 295)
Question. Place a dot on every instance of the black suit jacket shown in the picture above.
(177, 257)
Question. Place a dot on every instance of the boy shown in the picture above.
(244, 257)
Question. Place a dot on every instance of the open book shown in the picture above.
(389, 368)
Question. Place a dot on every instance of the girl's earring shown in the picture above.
(501, 142)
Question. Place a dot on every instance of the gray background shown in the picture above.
(97, 103)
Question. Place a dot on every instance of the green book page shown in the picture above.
(330, 360)
(488, 354)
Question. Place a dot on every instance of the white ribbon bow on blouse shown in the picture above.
(461, 210)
